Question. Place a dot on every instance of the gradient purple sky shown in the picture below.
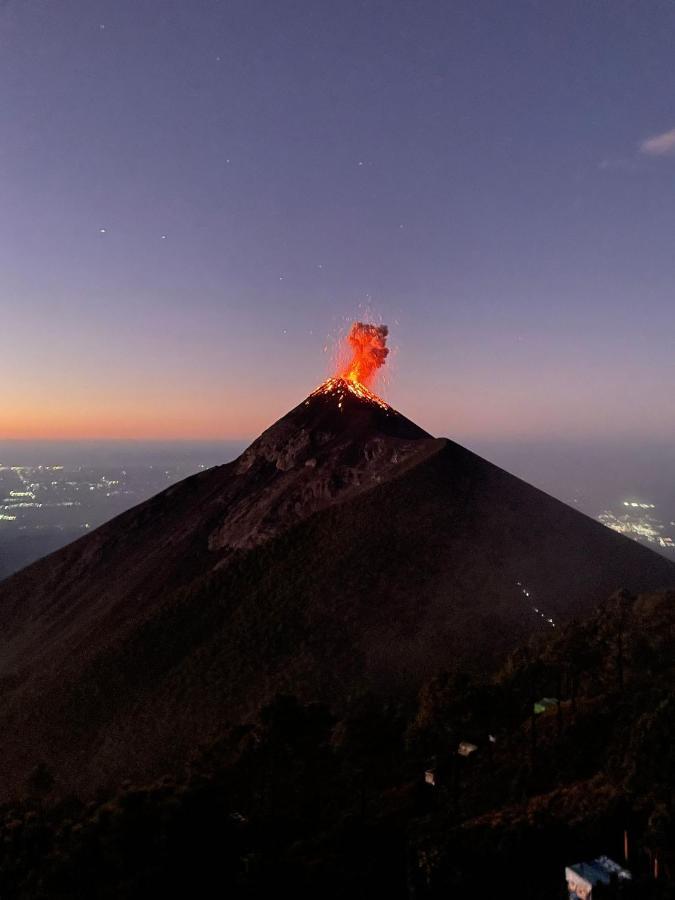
(194, 195)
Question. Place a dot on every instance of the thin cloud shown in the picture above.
(659, 144)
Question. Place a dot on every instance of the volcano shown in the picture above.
(346, 550)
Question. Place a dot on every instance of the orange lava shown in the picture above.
(369, 352)
(338, 388)
(358, 360)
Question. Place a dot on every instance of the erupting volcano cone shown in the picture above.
(340, 440)
(345, 550)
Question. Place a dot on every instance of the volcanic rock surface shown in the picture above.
(331, 447)
(345, 550)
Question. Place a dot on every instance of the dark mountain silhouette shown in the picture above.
(346, 550)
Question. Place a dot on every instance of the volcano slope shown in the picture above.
(345, 551)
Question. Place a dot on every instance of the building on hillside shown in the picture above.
(541, 706)
(466, 749)
(583, 877)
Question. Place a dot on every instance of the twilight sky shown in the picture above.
(196, 194)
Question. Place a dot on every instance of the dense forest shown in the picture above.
(329, 804)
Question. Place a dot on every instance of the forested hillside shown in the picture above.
(339, 807)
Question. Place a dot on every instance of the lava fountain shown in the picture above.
(364, 352)
(369, 352)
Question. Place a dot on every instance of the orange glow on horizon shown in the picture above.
(144, 411)
(133, 405)
(56, 424)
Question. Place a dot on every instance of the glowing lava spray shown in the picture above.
(369, 352)
(364, 352)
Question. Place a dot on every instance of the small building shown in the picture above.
(466, 749)
(583, 877)
(544, 704)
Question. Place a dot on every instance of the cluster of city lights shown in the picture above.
(637, 524)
